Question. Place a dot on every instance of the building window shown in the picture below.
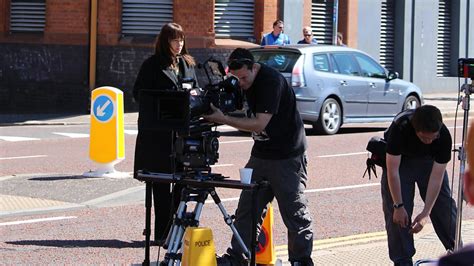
(234, 19)
(27, 15)
(387, 34)
(322, 20)
(443, 52)
(145, 17)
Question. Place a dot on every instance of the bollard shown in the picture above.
(265, 253)
(199, 247)
(107, 140)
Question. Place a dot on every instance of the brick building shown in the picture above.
(49, 59)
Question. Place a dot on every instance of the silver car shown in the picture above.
(335, 85)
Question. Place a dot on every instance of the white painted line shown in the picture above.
(221, 165)
(39, 220)
(342, 154)
(12, 138)
(316, 190)
(130, 131)
(236, 141)
(23, 157)
(72, 135)
(340, 188)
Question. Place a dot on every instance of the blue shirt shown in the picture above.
(313, 41)
(281, 39)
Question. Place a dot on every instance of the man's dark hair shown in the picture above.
(427, 118)
(240, 57)
(276, 22)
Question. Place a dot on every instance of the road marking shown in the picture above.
(23, 157)
(340, 188)
(12, 138)
(221, 165)
(342, 154)
(130, 131)
(72, 135)
(236, 141)
(39, 220)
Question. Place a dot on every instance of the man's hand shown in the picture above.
(419, 222)
(217, 116)
(400, 217)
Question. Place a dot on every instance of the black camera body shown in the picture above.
(196, 144)
(466, 68)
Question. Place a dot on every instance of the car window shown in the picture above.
(345, 64)
(369, 67)
(282, 61)
(321, 62)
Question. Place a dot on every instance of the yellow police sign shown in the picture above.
(107, 142)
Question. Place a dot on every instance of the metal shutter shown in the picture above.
(444, 39)
(145, 16)
(322, 20)
(27, 16)
(387, 34)
(234, 19)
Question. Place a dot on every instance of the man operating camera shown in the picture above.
(278, 156)
(418, 150)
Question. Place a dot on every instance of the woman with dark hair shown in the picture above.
(164, 70)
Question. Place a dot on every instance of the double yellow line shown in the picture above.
(322, 244)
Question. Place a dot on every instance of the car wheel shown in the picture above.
(411, 102)
(329, 120)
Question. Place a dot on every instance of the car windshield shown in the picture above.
(283, 61)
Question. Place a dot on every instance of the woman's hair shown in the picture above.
(171, 31)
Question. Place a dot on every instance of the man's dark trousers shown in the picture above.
(400, 241)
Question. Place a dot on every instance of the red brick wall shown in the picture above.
(109, 21)
(347, 23)
(67, 21)
(4, 15)
(266, 12)
(197, 19)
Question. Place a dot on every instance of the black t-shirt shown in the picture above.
(284, 137)
(402, 140)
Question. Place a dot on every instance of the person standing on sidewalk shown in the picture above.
(308, 37)
(162, 71)
(278, 157)
(418, 150)
(276, 37)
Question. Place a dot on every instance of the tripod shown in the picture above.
(468, 90)
(204, 187)
(183, 219)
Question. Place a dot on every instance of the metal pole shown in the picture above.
(92, 44)
(462, 157)
(335, 19)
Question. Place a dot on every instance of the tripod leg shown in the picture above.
(229, 222)
(175, 230)
(147, 231)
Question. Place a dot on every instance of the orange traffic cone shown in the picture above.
(265, 253)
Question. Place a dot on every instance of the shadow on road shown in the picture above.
(101, 243)
(56, 178)
(347, 130)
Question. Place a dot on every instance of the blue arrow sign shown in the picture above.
(103, 108)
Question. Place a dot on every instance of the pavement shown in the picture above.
(363, 249)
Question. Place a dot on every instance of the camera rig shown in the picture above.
(195, 142)
(466, 68)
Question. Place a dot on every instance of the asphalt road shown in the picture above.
(100, 220)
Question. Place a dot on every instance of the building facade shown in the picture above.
(54, 52)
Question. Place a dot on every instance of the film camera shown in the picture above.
(466, 68)
(196, 144)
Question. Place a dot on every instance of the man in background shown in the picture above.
(276, 37)
(308, 36)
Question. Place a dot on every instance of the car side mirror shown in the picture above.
(392, 75)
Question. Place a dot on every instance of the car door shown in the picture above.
(352, 87)
(383, 96)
